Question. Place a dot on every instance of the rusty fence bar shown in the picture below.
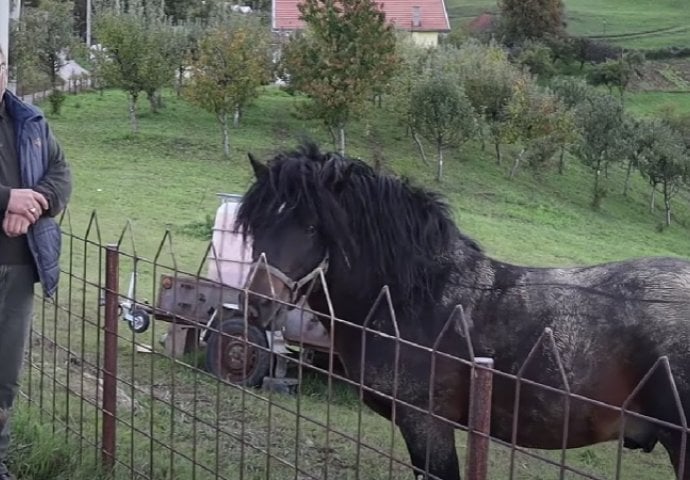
(480, 419)
(109, 427)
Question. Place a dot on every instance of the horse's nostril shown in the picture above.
(252, 312)
(265, 302)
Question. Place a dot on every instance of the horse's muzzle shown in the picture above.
(268, 284)
(261, 311)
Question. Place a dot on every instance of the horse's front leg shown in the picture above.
(420, 431)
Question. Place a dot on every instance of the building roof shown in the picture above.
(410, 15)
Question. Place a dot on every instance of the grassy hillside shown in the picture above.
(652, 103)
(166, 178)
(168, 175)
(632, 23)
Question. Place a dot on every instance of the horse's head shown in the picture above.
(292, 215)
(309, 211)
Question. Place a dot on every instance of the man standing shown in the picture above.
(35, 185)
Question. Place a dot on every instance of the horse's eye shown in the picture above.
(311, 229)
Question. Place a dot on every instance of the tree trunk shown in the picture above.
(341, 142)
(133, 112)
(516, 163)
(420, 147)
(667, 204)
(180, 79)
(652, 200)
(497, 146)
(596, 199)
(439, 167)
(333, 138)
(236, 118)
(152, 101)
(561, 161)
(223, 120)
(626, 187)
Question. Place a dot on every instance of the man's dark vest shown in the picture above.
(44, 236)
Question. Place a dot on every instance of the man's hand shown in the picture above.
(27, 202)
(15, 225)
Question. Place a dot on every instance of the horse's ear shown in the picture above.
(258, 167)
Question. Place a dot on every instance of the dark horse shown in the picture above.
(610, 323)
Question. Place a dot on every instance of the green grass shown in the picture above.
(39, 453)
(631, 23)
(165, 179)
(652, 103)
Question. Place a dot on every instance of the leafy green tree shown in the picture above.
(531, 19)
(637, 139)
(616, 73)
(562, 48)
(44, 38)
(140, 55)
(441, 113)
(413, 62)
(679, 121)
(232, 64)
(344, 58)
(600, 120)
(666, 163)
(572, 91)
(488, 78)
(122, 61)
(166, 44)
(538, 58)
(185, 44)
(541, 121)
(417, 64)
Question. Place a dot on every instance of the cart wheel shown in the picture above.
(140, 321)
(225, 354)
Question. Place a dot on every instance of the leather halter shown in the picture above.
(292, 285)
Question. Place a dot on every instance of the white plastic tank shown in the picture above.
(231, 265)
(229, 261)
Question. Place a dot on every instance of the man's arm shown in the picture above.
(56, 184)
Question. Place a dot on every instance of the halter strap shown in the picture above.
(293, 285)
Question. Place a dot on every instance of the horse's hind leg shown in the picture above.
(416, 428)
(672, 442)
(659, 402)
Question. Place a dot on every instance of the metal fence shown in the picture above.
(149, 406)
(72, 86)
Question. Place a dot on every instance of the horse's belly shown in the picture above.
(542, 414)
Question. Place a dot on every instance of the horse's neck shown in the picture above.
(471, 271)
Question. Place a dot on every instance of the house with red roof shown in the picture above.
(425, 19)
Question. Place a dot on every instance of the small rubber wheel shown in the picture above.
(140, 321)
(226, 353)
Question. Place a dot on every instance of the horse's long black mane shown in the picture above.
(391, 232)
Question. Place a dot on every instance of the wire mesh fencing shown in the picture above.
(155, 372)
